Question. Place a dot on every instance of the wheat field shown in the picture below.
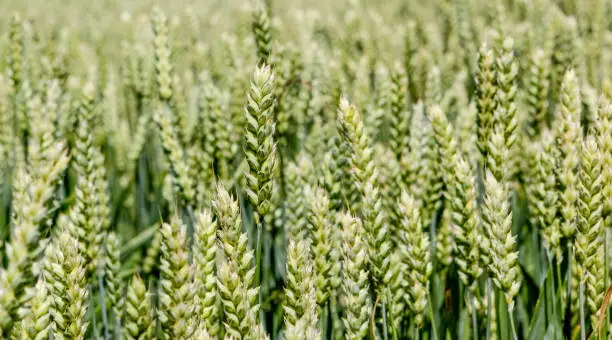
(307, 169)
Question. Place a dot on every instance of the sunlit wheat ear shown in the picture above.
(502, 249)
(416, 256)
(300, 286)
(259, 145)
(238, 301)
(138, 322)
(176, 283)
(369, 207)
(355, 283)
(205, 259)
(324, 251)
(588, 246)
(65, 275)
(236, 274)
(37, 322)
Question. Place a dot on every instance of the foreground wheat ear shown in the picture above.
(260, 148)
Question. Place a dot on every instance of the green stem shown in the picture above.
(489, 308)
(512, 325)
(434, 331)
(582, 323)
(554, 294)
(102, 302)
(474, 321)
(384, 315)
(258, 268)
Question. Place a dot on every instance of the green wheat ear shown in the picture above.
(416, 258)
(325, 253)
(114, 284)
(502, 252)
(588, 267)
(65, 275)
(176, 283)
(355, 284)
(37, 323)
(262, 34)
(537, 90)
(205, 259)
(300, 286)
(486, 103)
(260, 148)
(138, 322)
(568, 136)
(163, 65)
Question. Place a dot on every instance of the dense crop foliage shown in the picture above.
(306, 169)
